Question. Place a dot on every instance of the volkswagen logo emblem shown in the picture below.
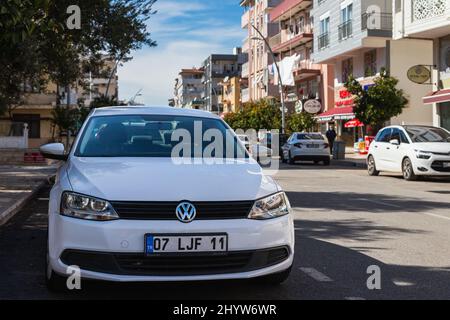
(186, 212)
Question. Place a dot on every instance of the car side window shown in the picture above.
(403, 137)
(395, 135)
(384, 136)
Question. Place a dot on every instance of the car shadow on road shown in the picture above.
(367, 202)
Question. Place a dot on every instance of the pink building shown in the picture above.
(256, 70)
(295, 37)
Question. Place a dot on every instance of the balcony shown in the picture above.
(289, 40)
(245, 19)
(377, 24)
(245, 95)
(423, 19)
(345, 30)
(305, 69)
(246, 45)
(288, 8)
(245, 70)
(323, 41)
(40, 99)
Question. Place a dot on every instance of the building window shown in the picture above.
(33, 121)
(370, 63)
(324, 39)
(345, 28)
(347, 69)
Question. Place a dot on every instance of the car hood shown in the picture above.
(439, 147)
(160, 179)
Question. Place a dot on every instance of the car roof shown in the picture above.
(307, 133)
(151, 110)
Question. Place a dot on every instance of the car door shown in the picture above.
(380, 149)
(396, 153)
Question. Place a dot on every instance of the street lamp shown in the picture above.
(280, 82)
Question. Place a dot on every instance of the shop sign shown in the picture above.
(299, 106)
(312, 106)
(419, 74)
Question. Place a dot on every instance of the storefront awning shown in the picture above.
(437, 97)
(344, 113)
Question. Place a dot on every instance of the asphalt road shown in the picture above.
(345, 222)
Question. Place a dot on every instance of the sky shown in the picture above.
(187, 32)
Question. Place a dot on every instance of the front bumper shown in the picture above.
(432, 167)
(123, 240)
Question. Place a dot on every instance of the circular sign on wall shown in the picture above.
(312, 106)
(419, 74)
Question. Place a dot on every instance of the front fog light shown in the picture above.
(84, 207)
(273, 206)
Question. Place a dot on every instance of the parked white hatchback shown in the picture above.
(304, 146)
(412, 150)
(123, 208)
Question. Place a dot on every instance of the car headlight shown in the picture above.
(273, 206)
(423, 154)
(84, 207)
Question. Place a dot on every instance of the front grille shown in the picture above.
(175, 265)
(439, 166)
(166, 210)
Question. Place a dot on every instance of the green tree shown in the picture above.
(380, 102)
(300, 122)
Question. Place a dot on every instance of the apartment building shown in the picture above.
(295, 40)
(188, 89)
(260, 82)
(230, 98)
(351, 35)
(216, 68)
(422, 43)
(38, 104)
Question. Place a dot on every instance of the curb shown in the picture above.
(349, 163)
(6, 215)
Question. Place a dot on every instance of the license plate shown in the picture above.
(312, 146)
(446, 164)
(170, 243)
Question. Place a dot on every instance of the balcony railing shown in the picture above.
(345, 30)
(425, 9)
(245, 95)
(323, 40)
(376, 21)
(245, 70)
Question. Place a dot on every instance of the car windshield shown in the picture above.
(427, 134)
(158, 136)
(309, 136)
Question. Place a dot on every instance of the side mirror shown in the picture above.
(54, 151)
(394, 142)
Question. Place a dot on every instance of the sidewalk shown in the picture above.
(18, 184)
(352, 159)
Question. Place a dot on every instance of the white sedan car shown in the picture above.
(412, 150)
(302, 146)
(141, 196)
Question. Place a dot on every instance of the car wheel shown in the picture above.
(276, 278)
(54, 282)
(291, 160)
(326, 162)
(408, 170)
(283, 159)
(371, 167)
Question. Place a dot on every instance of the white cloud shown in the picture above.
(155, 70)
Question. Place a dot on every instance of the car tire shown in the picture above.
(371, 167)
(408, 170)
(53, 281)
(291, 160)
(276, 278)
(283, 159)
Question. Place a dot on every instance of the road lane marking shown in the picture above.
(380, 202)
(316, 275)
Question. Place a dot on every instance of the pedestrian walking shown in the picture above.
(331, 136)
